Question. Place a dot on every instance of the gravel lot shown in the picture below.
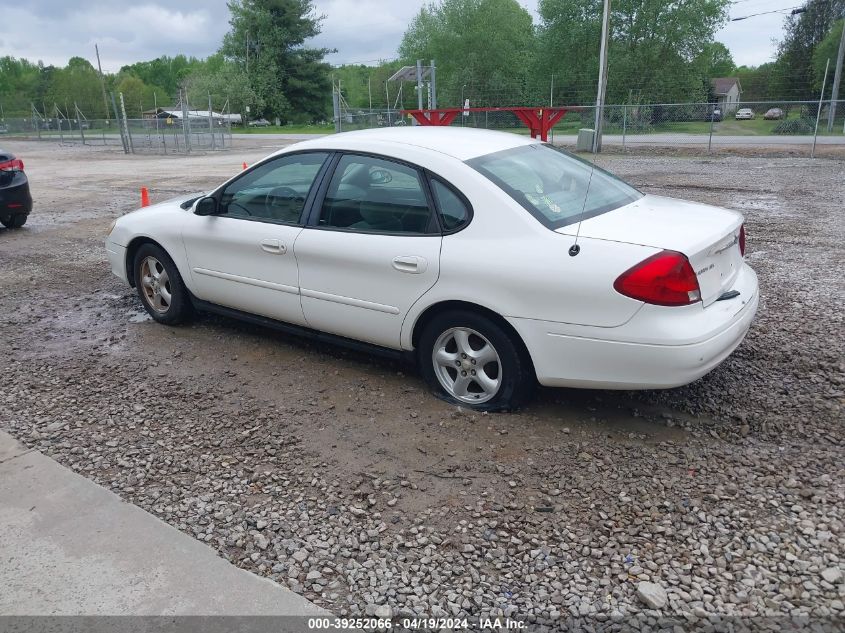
(341, 477)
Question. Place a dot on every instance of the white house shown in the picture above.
(728, 92)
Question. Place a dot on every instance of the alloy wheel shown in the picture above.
(467, 365)
(155, 283)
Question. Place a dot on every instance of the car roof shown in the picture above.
(460, 143)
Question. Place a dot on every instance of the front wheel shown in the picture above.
(160, 286)
(475, 362)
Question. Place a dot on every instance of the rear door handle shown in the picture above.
(273, 246)
(410, 264)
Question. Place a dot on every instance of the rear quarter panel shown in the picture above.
(507, 262)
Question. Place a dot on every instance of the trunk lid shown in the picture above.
(708, 236)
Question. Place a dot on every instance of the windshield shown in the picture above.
(556, 187)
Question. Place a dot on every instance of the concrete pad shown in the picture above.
(71, 547)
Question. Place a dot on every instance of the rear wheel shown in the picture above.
(160, 286)
(14, 221)
(474, 362)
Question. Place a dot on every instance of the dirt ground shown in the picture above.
(342, 477)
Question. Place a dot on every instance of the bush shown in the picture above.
(794, 126)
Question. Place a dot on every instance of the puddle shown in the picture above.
(765, 204)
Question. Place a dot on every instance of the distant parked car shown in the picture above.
(716, 115)
(15, 201)
(773, 114)
(744, 113)
(259, 123)
(4, 129)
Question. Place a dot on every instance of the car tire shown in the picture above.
(473, 361)
(14, 221)
(160, 286)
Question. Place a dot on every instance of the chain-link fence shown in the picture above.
(134, 135)
(176, 130)
(695, 125)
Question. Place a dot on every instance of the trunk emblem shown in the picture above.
(705, 269)
(735, 240)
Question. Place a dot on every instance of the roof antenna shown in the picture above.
(575, 249)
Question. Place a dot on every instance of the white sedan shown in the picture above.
(493, 260)
(744, 114)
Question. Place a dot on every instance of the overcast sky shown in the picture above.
(361, 30)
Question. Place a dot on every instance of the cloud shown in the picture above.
(124, 34)
(360, 30)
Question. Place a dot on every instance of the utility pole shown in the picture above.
(605, 28)
(433, 88)
(819, 110)
(419, 89)
(837, 76)
(419, 85)
(102, 82)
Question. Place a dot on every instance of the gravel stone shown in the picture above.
(832, 575)
(653, 595)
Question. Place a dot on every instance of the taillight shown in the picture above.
(16, 164)
(742, 240)
(664, 279)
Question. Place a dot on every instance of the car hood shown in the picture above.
(174, 203)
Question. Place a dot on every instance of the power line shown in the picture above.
(754, 15)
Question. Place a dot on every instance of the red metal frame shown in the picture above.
(538, 120)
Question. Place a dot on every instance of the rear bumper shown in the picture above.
(658, 348)
(15, 198)
(117, 259)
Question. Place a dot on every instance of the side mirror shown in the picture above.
(206, 206)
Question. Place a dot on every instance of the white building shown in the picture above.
(728, 93)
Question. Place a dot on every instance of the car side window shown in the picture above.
(274, 191)
(454, 213)
(375, 195)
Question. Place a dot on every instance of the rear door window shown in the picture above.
(375, 195)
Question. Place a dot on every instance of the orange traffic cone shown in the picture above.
(244, 166)
(145, 197)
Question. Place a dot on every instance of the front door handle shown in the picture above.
(273, 246)
(410, 264)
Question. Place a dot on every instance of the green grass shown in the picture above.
(286, 129)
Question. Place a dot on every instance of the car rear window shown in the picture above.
(555, 186)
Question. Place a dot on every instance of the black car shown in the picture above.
(15, 201)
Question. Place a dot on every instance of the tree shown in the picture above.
(137, 96)
(169, 73)
(77, 84)
(267, 41)
(716, 61)
(18, 81)
(485, 45)
(758, 83)
(653, 49)
(804, 32)
(227, 85)
(828, 48)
